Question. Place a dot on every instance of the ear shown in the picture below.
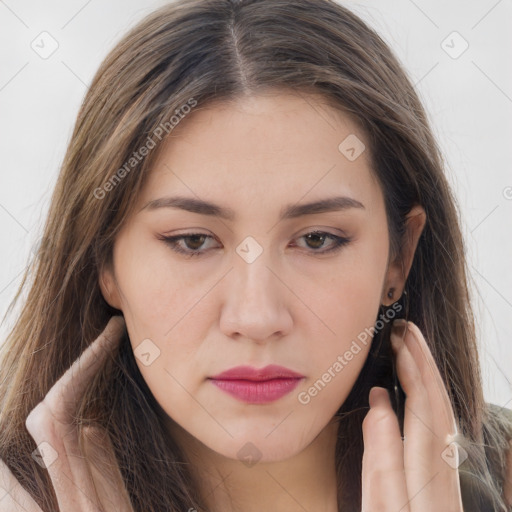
(108, 286)
(398, 269)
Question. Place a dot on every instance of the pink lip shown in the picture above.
(257, 385)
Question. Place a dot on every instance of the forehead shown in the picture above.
(276, 144)
(262, 122)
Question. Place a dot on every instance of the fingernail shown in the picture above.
(400, 326)
(378, 397)
(398, 331)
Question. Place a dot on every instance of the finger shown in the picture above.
(418, 432)
(105, 472)
(441, 406)
(13, 497)
(50, 424)
(65, 394)
(430, 479)
(383, 479)
(418, 421)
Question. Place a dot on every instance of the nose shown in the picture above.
(256, 302)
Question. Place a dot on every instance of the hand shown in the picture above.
(419, 474)
(82, 483)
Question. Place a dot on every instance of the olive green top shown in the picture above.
(477, 495)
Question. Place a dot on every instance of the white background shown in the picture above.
(469, 100)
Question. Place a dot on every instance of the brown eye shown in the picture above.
(192, 244)
(315, 240)
(197, 241)
(189, 244)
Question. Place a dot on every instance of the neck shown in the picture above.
(305, 481)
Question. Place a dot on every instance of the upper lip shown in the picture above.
(269, 372)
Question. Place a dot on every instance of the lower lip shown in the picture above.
(258, 392)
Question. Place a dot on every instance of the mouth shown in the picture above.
(257, 386)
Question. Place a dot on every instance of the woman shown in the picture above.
(253, 193)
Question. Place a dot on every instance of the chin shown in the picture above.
(261, 448)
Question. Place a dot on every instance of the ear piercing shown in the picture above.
(391, 293)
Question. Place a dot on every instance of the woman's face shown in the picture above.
(252, 288)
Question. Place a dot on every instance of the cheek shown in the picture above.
(348, 301)
(155, 293)
(158, 307)
(349, 293)
(163, 304)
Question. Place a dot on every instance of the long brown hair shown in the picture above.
(194, 52)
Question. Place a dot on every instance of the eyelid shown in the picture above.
(171, 241)
(321, 229)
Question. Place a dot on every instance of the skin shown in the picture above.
(290, 306)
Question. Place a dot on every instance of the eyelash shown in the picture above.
(172, 241)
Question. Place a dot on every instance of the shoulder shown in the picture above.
(13, 497)
(507, 486)
(498, 438)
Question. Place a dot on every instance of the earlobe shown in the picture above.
(399, 269)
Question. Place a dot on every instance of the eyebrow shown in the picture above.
(290, 211)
